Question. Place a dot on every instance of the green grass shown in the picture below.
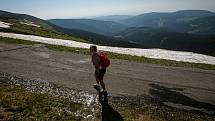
(18, 104)
(162, 113)
(161, 62)
(16, 41)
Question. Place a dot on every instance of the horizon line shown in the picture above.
(105, 15)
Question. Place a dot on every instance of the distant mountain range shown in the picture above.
(155, 19)
(95, 26)
(100, 39)
(186, 21)
(189, 30)
(180, 21)
(114, 18)
(23, 24)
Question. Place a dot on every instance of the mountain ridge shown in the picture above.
(173, 21)
(114, 18)
(21, 17)
(95, 26)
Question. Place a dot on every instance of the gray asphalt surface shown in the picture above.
(122, 78)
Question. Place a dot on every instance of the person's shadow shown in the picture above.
(108, 113)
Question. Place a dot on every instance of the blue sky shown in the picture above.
(48, 9)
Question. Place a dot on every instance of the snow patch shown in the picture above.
(5, 25)
(149, 53)
(29, 23)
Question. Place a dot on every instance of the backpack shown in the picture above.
(105, 62)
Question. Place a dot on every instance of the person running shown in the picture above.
(101, 62)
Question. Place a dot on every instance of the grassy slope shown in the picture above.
(18, 104)
(46, 29)
(38, 31)
(161, 62)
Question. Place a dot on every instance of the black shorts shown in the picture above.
(100, 74)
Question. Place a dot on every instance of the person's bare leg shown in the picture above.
(104, 90)
(97, 79)
(102, 84)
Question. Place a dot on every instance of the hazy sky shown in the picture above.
(47, 9)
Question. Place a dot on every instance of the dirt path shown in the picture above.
(122, 78)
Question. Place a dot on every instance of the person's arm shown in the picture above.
(96, 61)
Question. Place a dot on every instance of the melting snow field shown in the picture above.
(29, 23)
(150, 53)
(5, 25)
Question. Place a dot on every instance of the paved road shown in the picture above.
(122, 78)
